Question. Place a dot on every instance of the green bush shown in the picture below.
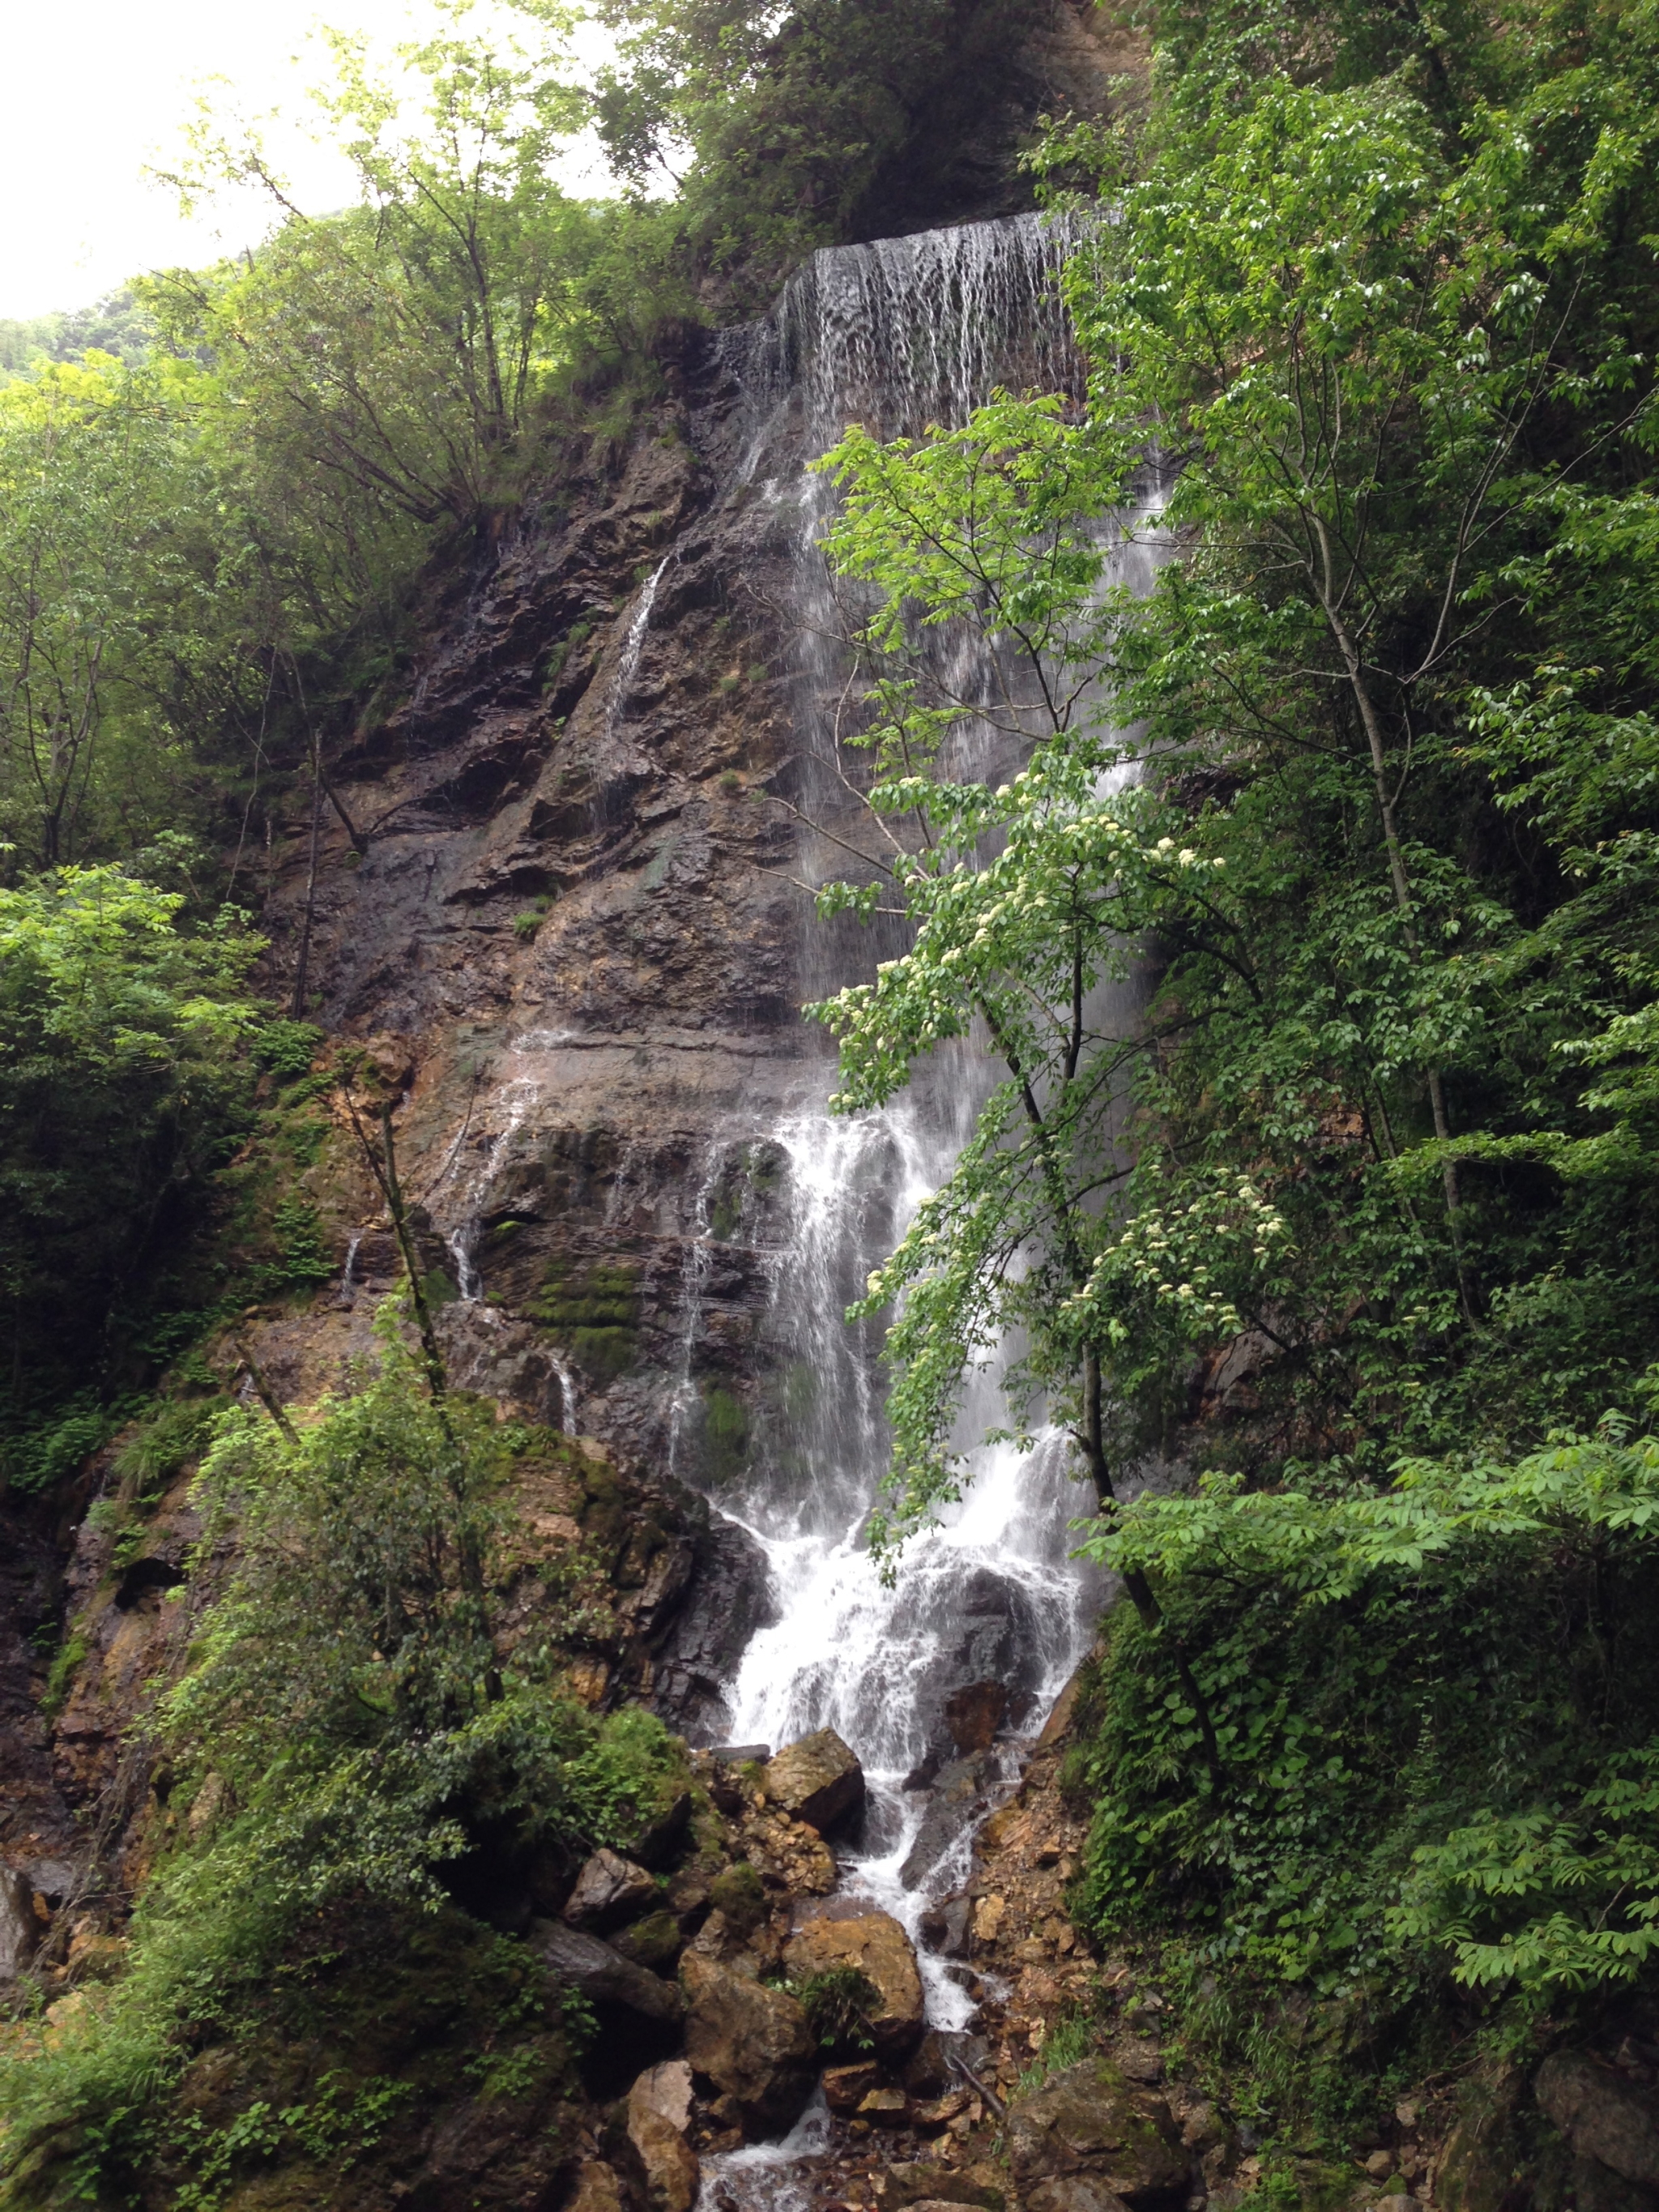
(838, 2004)
(1437, 1712)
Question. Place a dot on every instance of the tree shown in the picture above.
(1376, 379)
(773, 127)
(399, 348)
(120, 1083)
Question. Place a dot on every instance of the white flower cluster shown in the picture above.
(1161, 1250)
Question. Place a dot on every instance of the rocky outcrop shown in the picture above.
(751, 2044)
(917, 2181)
(973, 1715)
(817, 1780)
(874, 1945)
(1089, 2137)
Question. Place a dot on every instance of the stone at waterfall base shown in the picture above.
(845, 2088)
(659, 2117)
(876, 1947)
(753, 2044)
(1091, 2124)
(818, 1780)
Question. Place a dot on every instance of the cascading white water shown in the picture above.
(897, 335)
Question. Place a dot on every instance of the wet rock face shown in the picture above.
(974, 1714)
(730, 1601)
(751, 2044)
(875, 1946)
(1091, 2134)
(956, 1795)
(818, 1780)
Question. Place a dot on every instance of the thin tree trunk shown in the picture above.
(1142, 1595)
(1402, 893)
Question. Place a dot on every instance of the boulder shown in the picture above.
(656, 1941)
(878, 1948)
(20, 1931)
(1603, 2115)
(609, 1891)
(1091, 2123)
(752, 2043)
(945, 1926)
(919, 2183)
(973, 1715)
(658, 2115)
(817, 1780)
(613, 1985)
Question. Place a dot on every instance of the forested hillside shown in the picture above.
(1336, 1260)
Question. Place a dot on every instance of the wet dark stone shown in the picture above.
(956, 1797)
(729, 1602)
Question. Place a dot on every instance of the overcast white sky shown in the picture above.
(95, 92)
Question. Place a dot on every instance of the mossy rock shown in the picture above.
(726, 1429)
(656, 1941)
(737, 1895)
(592, 1310)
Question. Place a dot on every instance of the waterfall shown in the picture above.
(897, 335)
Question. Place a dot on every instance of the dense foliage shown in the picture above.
(122, 1083)
(778, 128)
(1325, 1004)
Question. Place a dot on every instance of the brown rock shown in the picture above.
(844, 2087)
(597, 2189)
(886, 2107)
(658, 2115)
(880, 1950)
(974, 1714)
(817, 1780)
(1072, 2193)
(1091, 2123)
(989, 1915)
(609, 1891)
(752, 2043)
(940, 2112)
(1603, 2115)
(919, 2182)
